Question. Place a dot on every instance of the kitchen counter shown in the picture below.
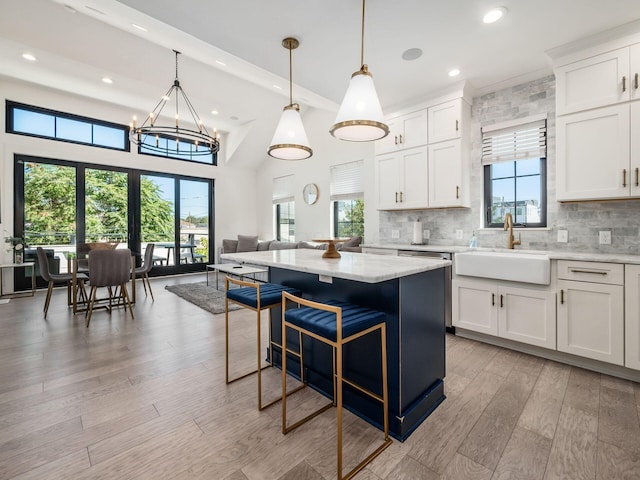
(409, 291)
(552, 254)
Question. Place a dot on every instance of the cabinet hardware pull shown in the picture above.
(457, 192)
(561, 297)
(637, 177)
(493, 299)
(624, 177)
(400, 197)
(457, 124)
(595, 272)
(635, 81)
(401, 141)
(396, 139)
(396, 197)
(501, 303)
(624, 84)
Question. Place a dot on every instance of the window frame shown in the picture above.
(336, 223)
(11, 106)
(543, 196)
(278, 208)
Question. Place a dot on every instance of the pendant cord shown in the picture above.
(362, 38)
(290, 76)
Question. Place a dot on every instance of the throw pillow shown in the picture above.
(229, 246)
(247, 243)
(353, 242)
(263, 246)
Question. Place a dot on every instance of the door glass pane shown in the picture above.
(157, 217)
(106, 207)
(50, 212)
(194, 221)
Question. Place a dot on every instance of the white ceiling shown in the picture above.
(75, 50)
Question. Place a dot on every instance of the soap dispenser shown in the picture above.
(473, 243)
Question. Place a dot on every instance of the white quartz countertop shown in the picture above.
(361, 267)
(552, 254)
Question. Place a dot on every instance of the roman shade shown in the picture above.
(347, 181)
(283, 190)
(518, 140)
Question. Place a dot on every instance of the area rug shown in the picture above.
(207, 298)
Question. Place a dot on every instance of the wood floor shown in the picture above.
(146, 399)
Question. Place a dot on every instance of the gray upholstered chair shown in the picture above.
(145, 268)
(59, 278)
(109, 268)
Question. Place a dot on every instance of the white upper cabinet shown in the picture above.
(448, 176)
(593, 154)
(402, 179)
(445, 121)
(593, 82)
(405, 131)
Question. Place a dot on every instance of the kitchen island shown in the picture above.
(409, 291)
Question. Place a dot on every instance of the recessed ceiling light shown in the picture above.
(412, 54)
(221, 63)
(454, 72)
(277, 87)
(214, 112)
(28, 56)
(107, 80)
(135, 25)
(494, 15)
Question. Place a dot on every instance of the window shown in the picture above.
(65, 127)
(183, 150)
(515, 173)
(347, 192)
(284, 209)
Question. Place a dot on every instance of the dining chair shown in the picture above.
(110, 268)
(59, 278)
(146, 267)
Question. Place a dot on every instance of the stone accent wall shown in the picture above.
(583, 220)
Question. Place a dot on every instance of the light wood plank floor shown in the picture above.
(146, 398)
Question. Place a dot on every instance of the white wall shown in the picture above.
(235, 193)
(314, 221)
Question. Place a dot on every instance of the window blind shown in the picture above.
(506, 143)
(283, 190)
(347, 181)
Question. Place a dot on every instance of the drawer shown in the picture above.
(595, 272)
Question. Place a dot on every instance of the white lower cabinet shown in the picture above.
(522, 314)
(591, 320)
(632, 316)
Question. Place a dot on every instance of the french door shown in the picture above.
(59, 204)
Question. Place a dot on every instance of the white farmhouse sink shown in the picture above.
(513, 266)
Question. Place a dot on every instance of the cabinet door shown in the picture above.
(446, 188)
(414, 192)
(634, 171)
(414, 129)
(474, 306)
(527, 316)
(593, 154)
(634, 71)
(445, 121)
(632, 316)
(390, 142)
(591, 320)
(388, 170)
(594, 82)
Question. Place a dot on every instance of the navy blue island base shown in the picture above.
(414, 309)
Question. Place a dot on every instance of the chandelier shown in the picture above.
(360, 115)
(160, 138)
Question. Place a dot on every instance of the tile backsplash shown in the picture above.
(583, 220)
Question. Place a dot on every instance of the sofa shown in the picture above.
(248, 243)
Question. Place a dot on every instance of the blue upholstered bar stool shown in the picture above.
(255, 296)
(336, 324)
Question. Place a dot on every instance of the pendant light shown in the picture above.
(360, 116)
(290, 141)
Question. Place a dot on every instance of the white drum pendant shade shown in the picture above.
(290, 141)
(360, 116)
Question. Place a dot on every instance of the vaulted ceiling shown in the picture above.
(233, 61)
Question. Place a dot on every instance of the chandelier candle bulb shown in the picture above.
(134, 121)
